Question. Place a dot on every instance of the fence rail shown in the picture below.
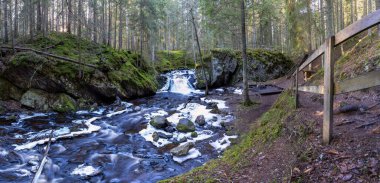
(329, 87)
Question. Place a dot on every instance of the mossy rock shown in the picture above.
(185, 125)
(194, 134)
(172, 60)
(64, 104)
(159, 122)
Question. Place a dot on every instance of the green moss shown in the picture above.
(194, 134)
(267, 129)
(119, 65)
(64, 104)
(171, 60)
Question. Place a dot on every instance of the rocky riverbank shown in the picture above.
(43, 83)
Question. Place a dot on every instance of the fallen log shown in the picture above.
(44, 159)
(49, 55)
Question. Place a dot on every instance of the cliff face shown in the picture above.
(224, 67)
(43, 83)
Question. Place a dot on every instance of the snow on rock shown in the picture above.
(221, 103)
(223, 143)
(193, 153)
(238, 91)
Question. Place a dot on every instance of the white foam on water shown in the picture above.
(85, 171)
(193, 153)
(221, 103)
(223, 143)
(28, 116)
(178, 82)
(90, 128)
(3, 152)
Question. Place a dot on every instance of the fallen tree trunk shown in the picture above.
(49, 55)
(44, 159)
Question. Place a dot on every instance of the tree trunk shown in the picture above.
(5, 9)
(322, 19)
(95, 22)
(200, 52)
(378, 8)
(80, 10)
(104, 35)
(69, 15)
(246, 101)
(121, 23)
(109, 23)
(15, 30)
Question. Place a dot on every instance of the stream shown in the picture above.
(114, 143)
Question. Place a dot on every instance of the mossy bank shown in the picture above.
(45, 83)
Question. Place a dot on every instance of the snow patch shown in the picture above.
(193, 153)
(223, 143)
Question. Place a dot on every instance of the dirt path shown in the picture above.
(298, 155)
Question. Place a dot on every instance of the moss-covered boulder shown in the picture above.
(63, 103)
(224, 66)
(185, 125)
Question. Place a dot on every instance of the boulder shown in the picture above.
(185, 125)
(64, 103)
(182, 150)
(36, 99)
(200, 120)
(159, 122)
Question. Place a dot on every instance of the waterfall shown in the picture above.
(180, 81)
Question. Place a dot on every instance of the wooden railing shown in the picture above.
(329, 88)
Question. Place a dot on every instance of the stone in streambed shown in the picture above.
(170, 129)
(155, 136)
(159, 122)
(200, 120)
(182, 150)
(185, 125)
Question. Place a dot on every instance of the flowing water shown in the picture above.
(114, 143)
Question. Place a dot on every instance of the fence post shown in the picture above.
(296, 89)
(328, 91)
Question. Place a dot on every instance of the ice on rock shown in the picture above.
(193, 153)
(223, 143)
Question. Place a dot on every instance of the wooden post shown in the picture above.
(328, 91)
(296, 94)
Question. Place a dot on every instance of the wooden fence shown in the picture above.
(329, 88)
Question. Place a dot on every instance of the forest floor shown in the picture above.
(296, 153)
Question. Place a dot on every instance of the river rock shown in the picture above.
(159, 122)
(200, 120)
(36, 99)
(170, 129)
(155, 136)
(182, 150)
(64, 103)
(164, 136)
(185, 125)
